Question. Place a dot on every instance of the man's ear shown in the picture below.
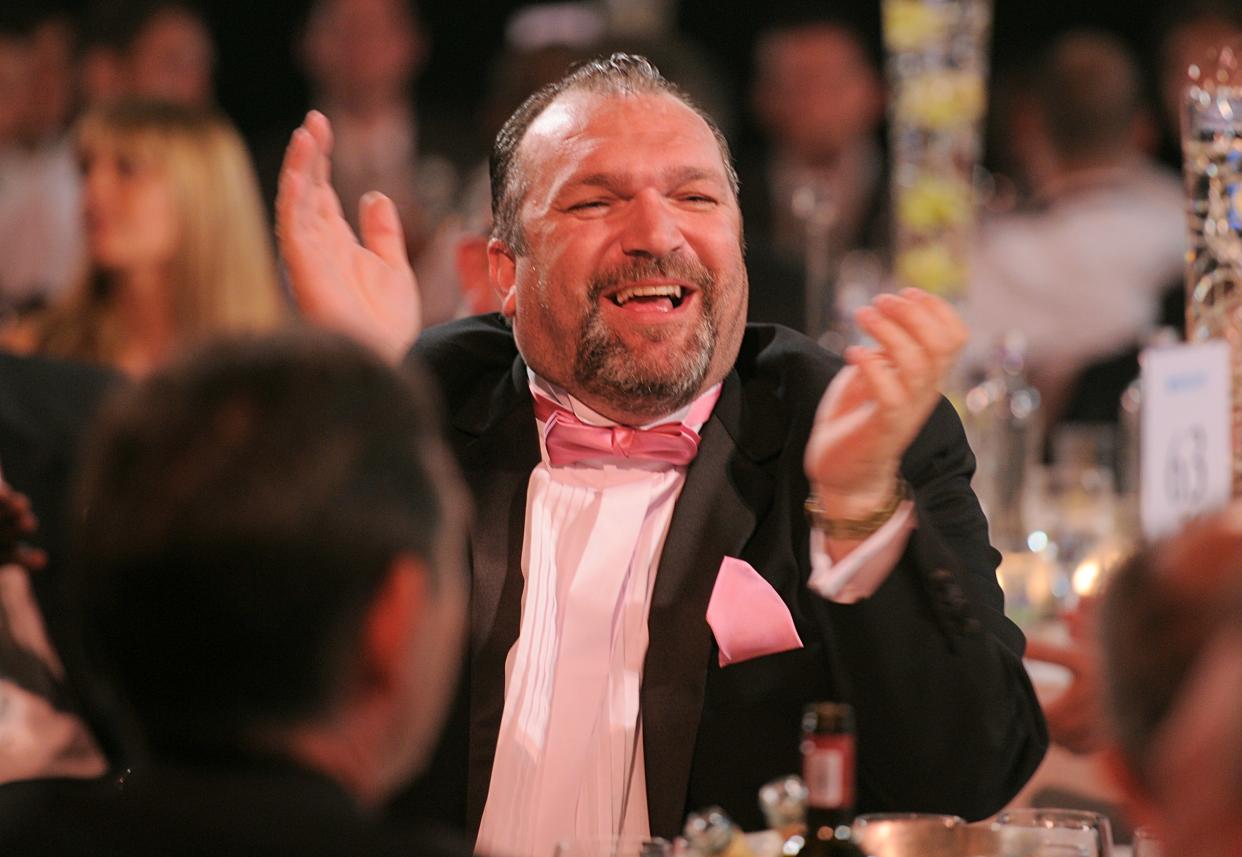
(502, 271)
(390, 620)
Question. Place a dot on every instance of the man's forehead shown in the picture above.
(582, 121)
(580, 110)
(560, 119)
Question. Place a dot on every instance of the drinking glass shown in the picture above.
(909, 834)
(1088, 831)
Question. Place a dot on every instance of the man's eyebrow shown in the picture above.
(683, 175)
(609, 181)
(673, 176)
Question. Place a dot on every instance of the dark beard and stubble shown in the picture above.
(610, 371)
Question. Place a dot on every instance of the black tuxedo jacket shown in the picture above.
(947, 721)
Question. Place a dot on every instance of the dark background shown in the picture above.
(259, 85)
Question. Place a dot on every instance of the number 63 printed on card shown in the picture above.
(1186, 458)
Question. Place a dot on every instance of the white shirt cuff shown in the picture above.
(861, 572)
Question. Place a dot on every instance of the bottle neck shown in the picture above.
(822, 822)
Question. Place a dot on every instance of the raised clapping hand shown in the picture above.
(873, 409)
(366, 290)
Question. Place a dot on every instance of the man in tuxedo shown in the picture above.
(651, 607)
(267, 576)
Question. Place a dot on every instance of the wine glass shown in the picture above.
(1089, 831)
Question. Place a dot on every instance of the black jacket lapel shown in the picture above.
(497, 465)
(724, 494)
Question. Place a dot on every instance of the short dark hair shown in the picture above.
(241, 511)
(619, 74)
(1154, 627)
(1089, 90)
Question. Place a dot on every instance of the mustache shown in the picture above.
(675, 267)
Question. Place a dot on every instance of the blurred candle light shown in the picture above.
(1086, 577)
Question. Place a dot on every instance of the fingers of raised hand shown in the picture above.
(296, 198)
(884, 387)
(924, 335)
(308, 158)
(317, 125)
(936, 323)
(381, 229)
(914, 366)
(295, 172)
(847, 390)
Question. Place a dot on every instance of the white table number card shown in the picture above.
(1185, 453)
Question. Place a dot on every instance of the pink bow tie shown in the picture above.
(569, 440)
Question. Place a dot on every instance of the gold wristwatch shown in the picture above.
(856, 528)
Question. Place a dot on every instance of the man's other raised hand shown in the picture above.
(874, 407)
(364, 289)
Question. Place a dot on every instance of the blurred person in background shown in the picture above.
(542, 41)
(819, 99)
(268, 574)
(177, 245)
(40, 227)
(1081, 271)
(363, 58)
(1171, 635)
(155, 49)
(1187, 33)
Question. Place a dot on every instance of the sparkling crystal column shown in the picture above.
(937, 68)
(1212, 166)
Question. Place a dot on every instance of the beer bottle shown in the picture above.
(828, 771)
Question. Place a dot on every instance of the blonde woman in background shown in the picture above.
(178, 248)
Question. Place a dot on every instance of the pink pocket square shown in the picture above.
(746, 615)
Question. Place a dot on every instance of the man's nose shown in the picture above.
(651, 227)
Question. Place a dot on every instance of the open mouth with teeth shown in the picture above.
(664, 297)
